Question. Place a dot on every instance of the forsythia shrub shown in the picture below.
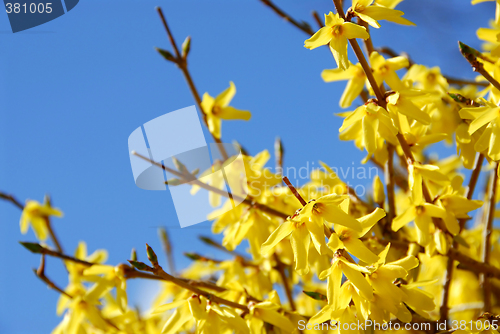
(325, 260)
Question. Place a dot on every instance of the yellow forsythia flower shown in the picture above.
(35, 213)
(335, 33)
(218, 108)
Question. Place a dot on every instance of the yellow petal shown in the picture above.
(352, 90)
(338, 47)
(321, 37)
(207, 103)
(283, 231)
(335, 215)
(368, 19)
(214, 125)
(300, 241)
(358, 281)
(403, 219)
(357, 248)
(351, 30)
(224, 98)
(370, 127)
(177, 320)
(228, 113)
(483, 119)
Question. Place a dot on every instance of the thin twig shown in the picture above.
(167, 248)
(389, 181)
(444, 308)
(158, 271)
(302, 26)
(39, 249)
(40, 273)
(202, 258)
(380, 94)
(487, 231)
(279, 152)
(11, 199)
(472, 55)
(368, 42)
(463, 82)
(399, 180)
(294, 191)
(209, 241)
(248, 200)
(182, 64)
(52, 235)
(280, 267)
(451, 80)
(317, 19)
(467, 261)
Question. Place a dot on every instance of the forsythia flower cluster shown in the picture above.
(409, 252)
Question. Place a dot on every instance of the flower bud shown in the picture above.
(378, 191)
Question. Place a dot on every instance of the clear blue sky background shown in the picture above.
(72, 91)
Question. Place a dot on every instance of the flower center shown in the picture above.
(359, 8)
(216, 110)
(337, 30)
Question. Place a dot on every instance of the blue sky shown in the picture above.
(73, 90)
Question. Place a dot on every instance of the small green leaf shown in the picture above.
(461, 241)
(457, 97)
(192, 256)
(173, 182)
(166, 54)
(139, 265)
(133, 255)
(315, 295)
(186, 47)
(165, 240)
(208, 241)
(180, 166)
(151, 255)
(33, 247)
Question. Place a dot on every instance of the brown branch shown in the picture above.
(280, 267)
(472, 184)
(362, 60)
(167, 248)
(451, 80)
(294, 191)
(399, 180)
(158, 271)
(368, 42)
(317, 19)
(467, 262)
(487, 231)
(11, 199)
(52, 235)
(131, 273)
(209, 241)
(302, 26)
(202, 258)
(472, 55)
(279, 152)
(389, 181)
(444, 308)
(40, 273)
(463, 82)
(181, 62)
(39, 249)
(248, 200)
(380, 94)
(478, 266)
